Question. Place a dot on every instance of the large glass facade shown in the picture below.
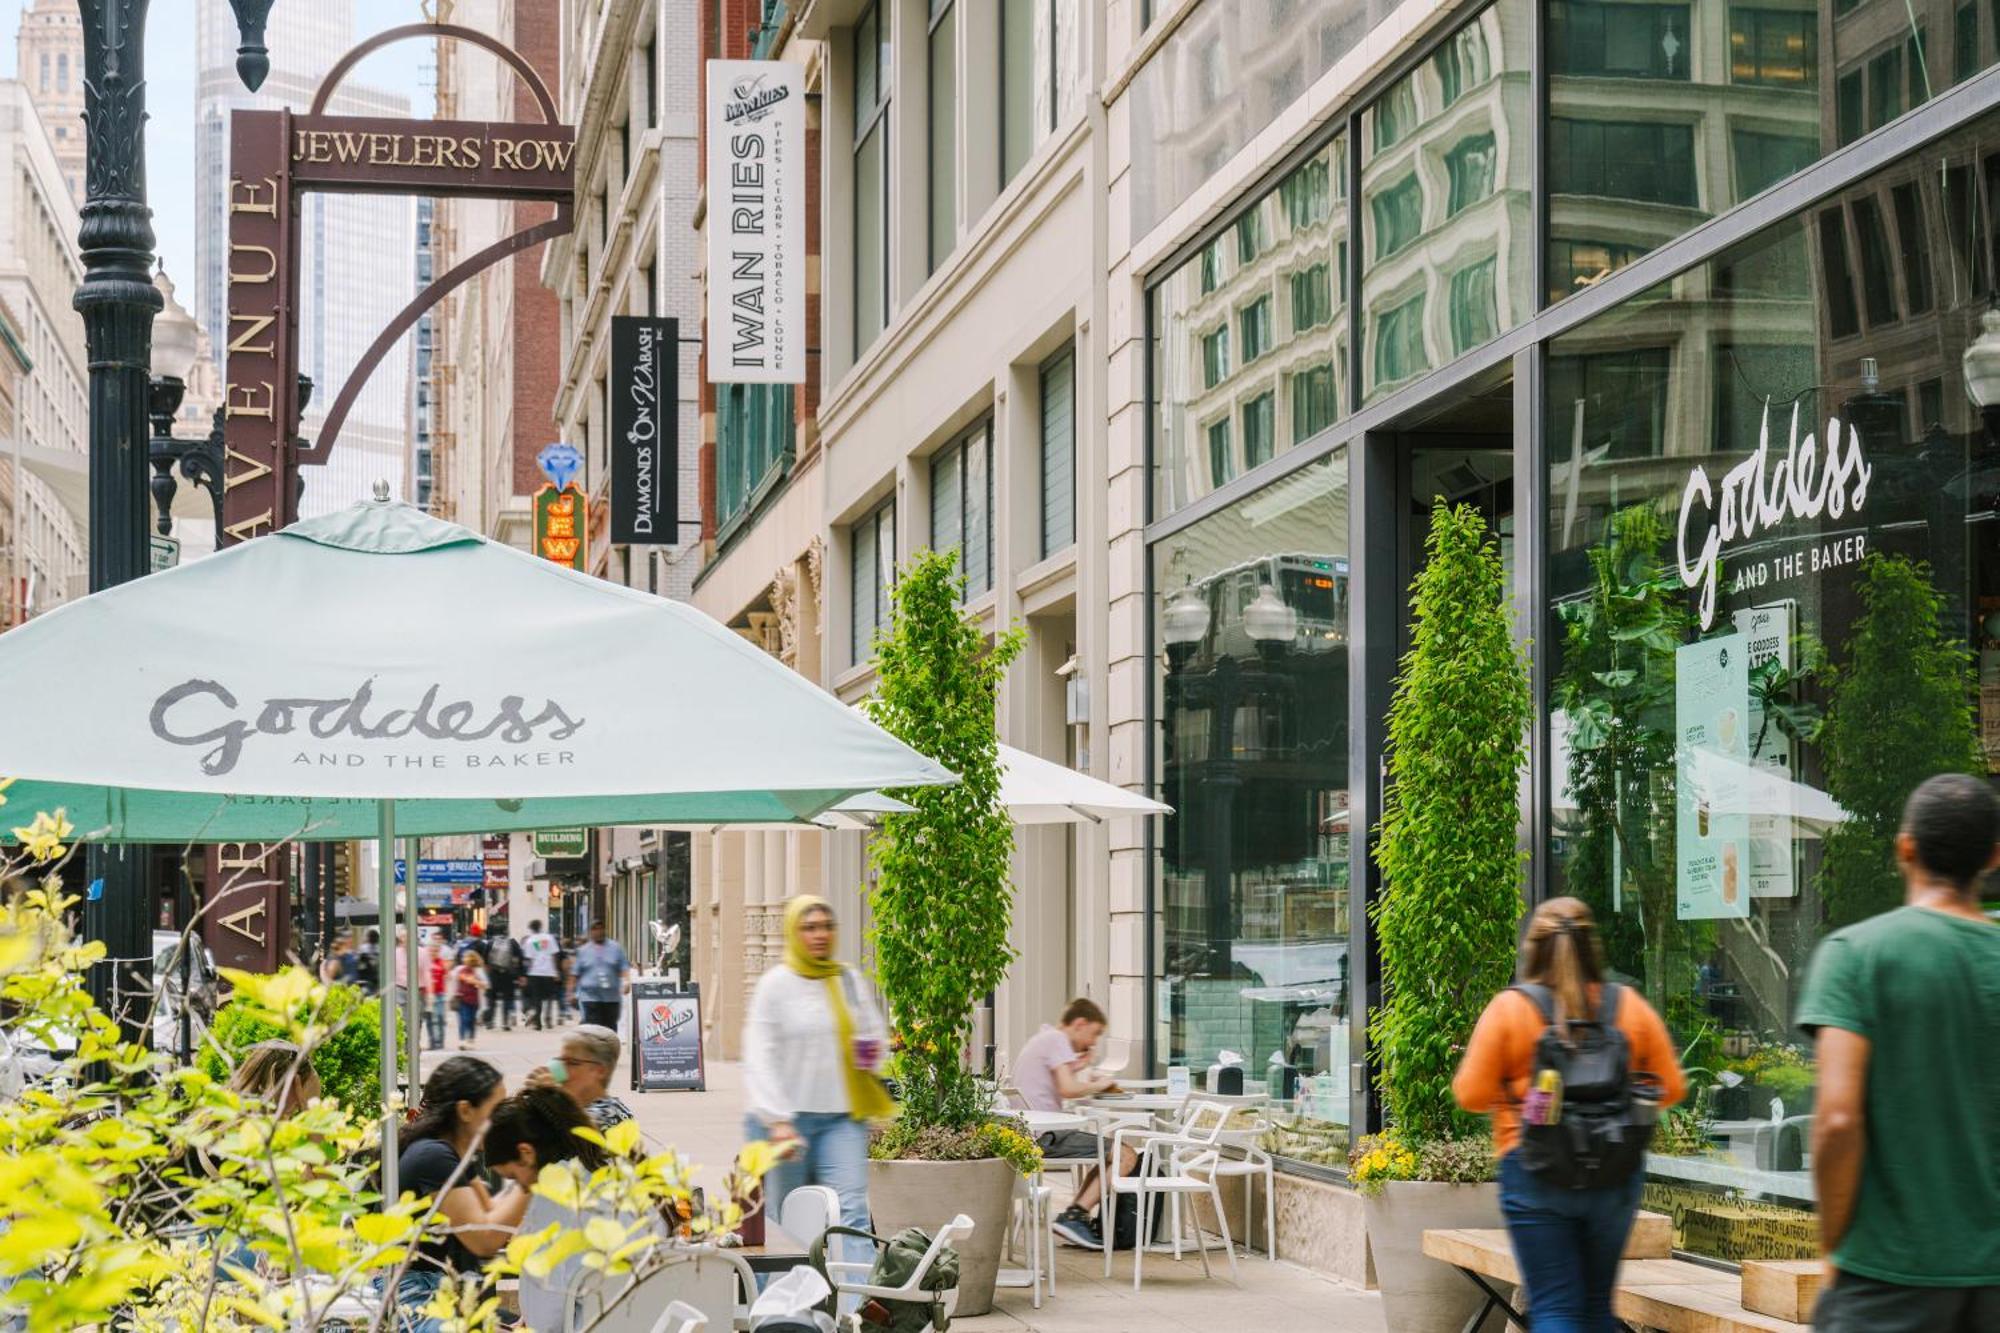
(1252, 755)
(1445, 179)
(1664, 114)
(1250, 334)
(1774, 577)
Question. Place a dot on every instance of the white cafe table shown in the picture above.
(1050, 1122)
(1136, 1102)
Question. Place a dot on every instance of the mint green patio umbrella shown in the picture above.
(380, 672)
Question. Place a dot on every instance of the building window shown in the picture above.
(1260, 429)
(1221, 456)
(45, 72)
(1211, 266)
(1920, 73)
(943, 130)
(62, 71)
(1462, 63)
(1255, 321)
(1851, 111)
(1762, 160)
(871, 578)
(1777, 48)
(1307, 195)
(753, 445)
(1965, 43)
(1058, 382)
(871, 178)
(1911, 222)
(1617, 41)
(1395, 116)
(1253, 903)
(1399, 215)
(1040, 63)
(1638, 161)
(1475, 317)
(652, 63)
(1312, 298)
(1399, 342)
(1251, 237)
(1575, 265)
(1885, 88)
(1469, 169)
(1215, 357)
(962, 505)
(1854, 678)
(1314, 405)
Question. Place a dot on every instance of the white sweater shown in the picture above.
(792, 1061)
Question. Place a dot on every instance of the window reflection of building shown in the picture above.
(1444, 189)
(1251, 334)
(1253, 758)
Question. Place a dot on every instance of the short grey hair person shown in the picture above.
(596, 1042)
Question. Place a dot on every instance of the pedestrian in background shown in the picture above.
(368, 963)
(543, 975)
(566, 981)
(503, 974)
(601, 966)
(433, 967)
(1904, 1010)
(811, 1046)
(338, 965)
(1567, 1241)
(468, 991)
(583, 1069)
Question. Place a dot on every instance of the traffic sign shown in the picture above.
(166, 552)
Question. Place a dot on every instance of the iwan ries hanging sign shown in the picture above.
(756, 222)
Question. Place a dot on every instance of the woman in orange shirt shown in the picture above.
(1567, 1242)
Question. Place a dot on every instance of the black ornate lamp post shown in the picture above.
(117, 300)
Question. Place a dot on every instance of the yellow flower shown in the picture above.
(43, 839)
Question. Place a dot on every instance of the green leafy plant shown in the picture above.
(1451, 867)
(1901, 711)
(943, 898)
(1381, 1158)
(348, 1061)
(1006, 1139)
(1684, 1130)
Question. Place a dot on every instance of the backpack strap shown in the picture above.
(1608, 995)
(1541, 997)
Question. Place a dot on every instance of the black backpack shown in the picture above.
(1604, 1129)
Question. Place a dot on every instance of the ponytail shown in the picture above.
(1562, 952)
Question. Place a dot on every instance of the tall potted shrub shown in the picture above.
(1447, 912)
(1901, 711)
(941, 907)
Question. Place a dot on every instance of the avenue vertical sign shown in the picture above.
(756, 230)
(645, 445)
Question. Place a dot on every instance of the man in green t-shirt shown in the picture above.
(1905, 1012)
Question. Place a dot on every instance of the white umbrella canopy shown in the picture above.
(1039, 791)
(288, 687)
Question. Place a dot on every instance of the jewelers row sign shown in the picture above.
(756, 222)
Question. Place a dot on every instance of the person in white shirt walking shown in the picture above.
(811, 1048)
(544, 978)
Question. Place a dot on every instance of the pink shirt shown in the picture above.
(1035, 1069)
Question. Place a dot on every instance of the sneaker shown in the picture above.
(1078, 1228)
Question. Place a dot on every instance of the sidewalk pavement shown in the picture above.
(707, 1129)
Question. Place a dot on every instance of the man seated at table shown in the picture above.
(583, 1070)
(1052, 1068)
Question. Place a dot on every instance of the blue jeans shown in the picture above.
(833, 1151)
(1567, 1244)
(468, 1020)
(413, 1292)
(434, 1018)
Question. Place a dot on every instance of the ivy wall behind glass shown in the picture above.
(1773, 514)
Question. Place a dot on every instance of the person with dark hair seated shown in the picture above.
(459, 1098)
(529, 1133)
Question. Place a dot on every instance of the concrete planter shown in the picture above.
(930, 1194)
(1422, 1295)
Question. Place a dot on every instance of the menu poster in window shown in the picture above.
(666, 1038)
(1767, 637)
(1712, 777)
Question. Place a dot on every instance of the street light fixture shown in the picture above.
(1272, 622)
(118, 301)
(1185, 624)
(1981, 364)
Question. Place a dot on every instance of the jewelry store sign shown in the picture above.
(756, 222)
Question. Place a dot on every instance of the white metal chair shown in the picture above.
(850, 1279)
(680, 1317)
(1031, 1216)
(1173, 1165)
(1254, 1165)
(807, 1212)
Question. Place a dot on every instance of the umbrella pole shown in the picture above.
(385, 906)
(412, 1020)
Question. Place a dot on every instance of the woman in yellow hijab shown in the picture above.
(811, 1051)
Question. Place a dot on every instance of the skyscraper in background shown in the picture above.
(49, 49)
(354, 273)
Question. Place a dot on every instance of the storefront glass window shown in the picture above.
(1253, 757)
(1774, 534)
(1240, 323)
(1661, 115)
(1444, 182)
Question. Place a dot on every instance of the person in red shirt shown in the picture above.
(432, 969)
(1567, 1242)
